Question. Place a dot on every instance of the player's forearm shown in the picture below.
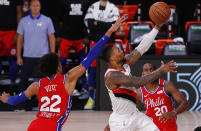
(17, 99)
(52, 43)
(19, 46)
(181, 108)
(95, 51)
(147, 78)
(147, 41)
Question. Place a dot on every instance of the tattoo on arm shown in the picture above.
(118, 78)
(133, 57)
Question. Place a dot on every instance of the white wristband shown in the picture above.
(147, 41)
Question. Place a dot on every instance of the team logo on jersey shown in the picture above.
(159, 92)
(13, 52)
(39, 24)
(50, 88)
(150, 103)
(4, 2)
(76, 9)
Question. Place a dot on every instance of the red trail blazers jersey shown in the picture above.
(54, 101)
(156, 103)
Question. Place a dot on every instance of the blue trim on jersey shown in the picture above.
(142, 95)
(62, 118)
(64, 78)
(151, 92)
(39, 83)
(50, 79)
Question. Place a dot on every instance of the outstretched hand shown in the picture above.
(118, 23)
(4, 97)
(169, 67)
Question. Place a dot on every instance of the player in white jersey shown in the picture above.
(121, 85)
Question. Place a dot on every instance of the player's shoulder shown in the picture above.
(170, 86)
(168, 83)
(110, 73)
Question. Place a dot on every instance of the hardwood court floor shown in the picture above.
(85, 121)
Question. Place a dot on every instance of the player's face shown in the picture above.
(35, 7)
(118, 53)
(147, 69)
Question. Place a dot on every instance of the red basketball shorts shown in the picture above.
(66, 45)
(6, 46)
(42, 124)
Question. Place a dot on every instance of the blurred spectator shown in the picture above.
(99, 18)
(36, 35)
(25, 8)
(72, 33)
(10, 14)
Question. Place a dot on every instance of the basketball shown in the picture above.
(159, 12)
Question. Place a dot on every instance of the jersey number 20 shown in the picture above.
(161, 110)
(45, 107)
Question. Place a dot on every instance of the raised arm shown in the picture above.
(116, 78)
(144, 46)
(73, 75)
(23, 96)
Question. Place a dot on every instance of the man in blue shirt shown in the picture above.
(36, 36)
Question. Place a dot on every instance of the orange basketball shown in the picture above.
(159, 12)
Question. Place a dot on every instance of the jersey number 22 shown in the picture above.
(50, 108)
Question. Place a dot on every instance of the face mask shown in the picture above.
(25, 9)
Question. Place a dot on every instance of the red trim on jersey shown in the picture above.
(125, 91)
(107, 74)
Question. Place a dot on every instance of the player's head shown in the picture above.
(35, 6)
(113, 54)
(148, 68)
(50, 64)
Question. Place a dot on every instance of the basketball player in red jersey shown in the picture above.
(55, 90)
(158, 98)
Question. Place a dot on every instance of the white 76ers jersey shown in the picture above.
(123, 98)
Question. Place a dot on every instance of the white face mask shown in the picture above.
(25, 9)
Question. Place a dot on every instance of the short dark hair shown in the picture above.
(106, 53)
(197, 128)
(48, 64)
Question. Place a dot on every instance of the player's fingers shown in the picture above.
(173, 71)
(4, 93)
